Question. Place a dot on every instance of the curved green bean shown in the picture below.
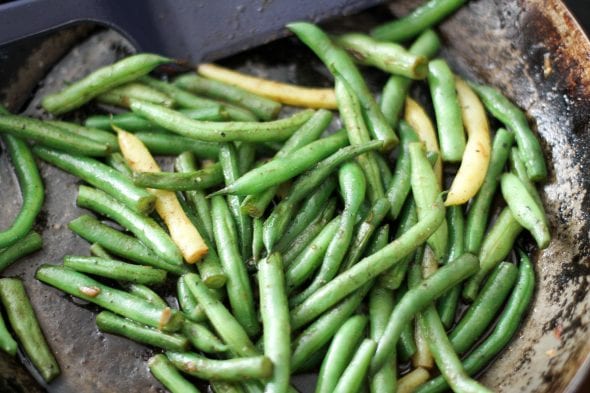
(353, 377)
(237, 369)
(169, 376)
(188, 304)
(28, 244)
(201, 338)
(115, 270)
(7, 343)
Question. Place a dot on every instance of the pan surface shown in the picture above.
(532, 50)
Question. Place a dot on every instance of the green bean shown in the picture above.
(399, 187)
(226, 325)
(238, 369)
(341, 351)
(146, 293)
(321, 331)
(310, 210)
(120, 244)
(236, 113)
(340, 64)
(406, 346)
(384, 168)
(424, 181)
(97, 251)
(145, 228)
(315, 227)
(449, 122)
(7, 343)
(100, 81)
(274, 226)
(114, 300)
(277, 130)
(421, 18)
(396, 89)
(353, 377)
(201, 338)
(95, 134)
(132, 122)
(387, 56)
(483, 310)
(246, 157)
(447, 304)
(228, 158)
(181, 97)
(505, 328)
(263, 108)
(393, 277)
(118, 162)
(28, 244)
(101, 176)
(417, 299)
(255, 205)
(311, 257)
(108, 322)
(32, 190)
(274, 309)
(446, 358)
(50, 135)
(257, 244)
(352, 188)
(477, 216)
(168, 375)
(352, 119)
(26, 327)
(181, 181)
(381, 303)
(525, 209)
(238, 284)
(515, 119)
(188, 304)
(120, 95)
(115, 270)
(225, 387)
(169, 144)
(423, 266)
(496, 246)
(368, 268)
(284, 168)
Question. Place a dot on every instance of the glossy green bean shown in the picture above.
(132, 122)
(277, 130)
(341, 65)
(483, 310)
(384, 168)
(145, 228)
(496, 246)
(238, 285)
(169, 376)
(102, 177)
(111, 323)
(274, 309)
(525, 208)
(519, 169)
(368, 268)
(228, 328)
(340, 353)
(181, 97)
(28, 244)
(170, 144)
(406, 347)
(202, 338)
(257, 244)
(477, 215)
(396, 89)
(115, 270)
(181, 181)
(515, 119)
(7, 343)
(120, 244)
(381, 303)
(237, 369)
(353, 377)
(145, 293)
(255, 205)
(21, 317)
(120, 95)
(387, 56)
(114, 300)
(263, 108)
(95, 134)
(286, 167)
(225, 387)
(118, 162)
(100, 81)
(417, 299)
(449, 122)
(188, 304)
(426, 15)
(425, 189)
(31, 188)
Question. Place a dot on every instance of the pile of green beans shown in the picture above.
(303, 225)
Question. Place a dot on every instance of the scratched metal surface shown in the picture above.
(504, 43)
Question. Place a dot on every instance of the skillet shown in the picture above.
(531, 49)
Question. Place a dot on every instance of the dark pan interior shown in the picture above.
(530, 49)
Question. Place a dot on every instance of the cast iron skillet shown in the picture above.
(532, 49)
